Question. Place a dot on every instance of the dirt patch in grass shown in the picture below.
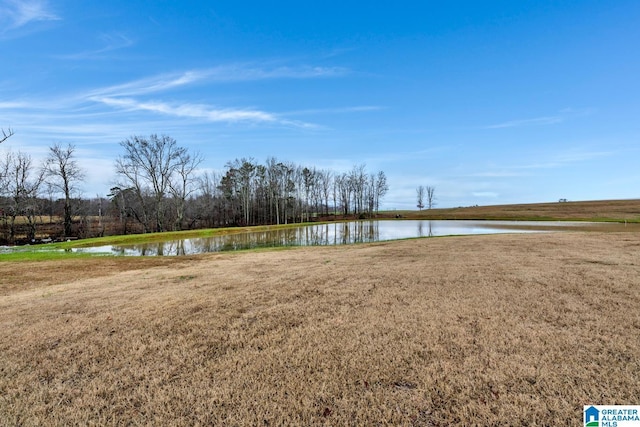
(480, 330)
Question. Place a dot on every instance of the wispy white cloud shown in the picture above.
(561, 116)
(111, 42)
(190, 110)
(577, 111)
(129, 96)
(203, 112)
(580, 155)
(12, 104)
(338, 110)
(100, 118)
(240, 72)
(220, 74)
(548, 120)
(235, 72)
(148, 85)
(496, 174)
(18, 13)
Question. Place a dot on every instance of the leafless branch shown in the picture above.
(5, 135)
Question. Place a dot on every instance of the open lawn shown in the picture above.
(597, 210)
(479, 330)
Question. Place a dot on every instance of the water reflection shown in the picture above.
(341, 233)
(318, 235)
(421, 232)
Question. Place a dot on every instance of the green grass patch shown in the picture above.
(40, 254)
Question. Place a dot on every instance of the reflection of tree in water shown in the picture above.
(429, 229)
(169, 248)
(344, 236)
(359, 232)
(314, 235)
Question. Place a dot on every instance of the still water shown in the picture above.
(339, 233)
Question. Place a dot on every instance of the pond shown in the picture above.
(338, 233)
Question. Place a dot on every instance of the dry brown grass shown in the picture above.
(481, 330)
(599, 210)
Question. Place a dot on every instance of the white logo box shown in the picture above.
(611, 415)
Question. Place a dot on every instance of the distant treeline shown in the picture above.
(162, 186)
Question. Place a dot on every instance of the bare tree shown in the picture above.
(381, 188)
(4, 174)
(420, 196)
(370, 195)
(124, 202)
(308, 181)
(325, 177)
(147, 167)
(358, 180)
(131, 187)
(431, 199)
(100, 202)
(4, 163)
(273, 176)
(21, 188)
(209, 208)
(345, 190)
(280, 185)
(240, 180)
(67, 174)
(183, 183)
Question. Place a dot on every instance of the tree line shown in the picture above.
(161, 186)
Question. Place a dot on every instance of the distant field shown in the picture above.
(601, 210)
(478, 330)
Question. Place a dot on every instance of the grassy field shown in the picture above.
(479, 330)
(599, 210)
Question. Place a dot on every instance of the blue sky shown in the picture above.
(491, 102)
